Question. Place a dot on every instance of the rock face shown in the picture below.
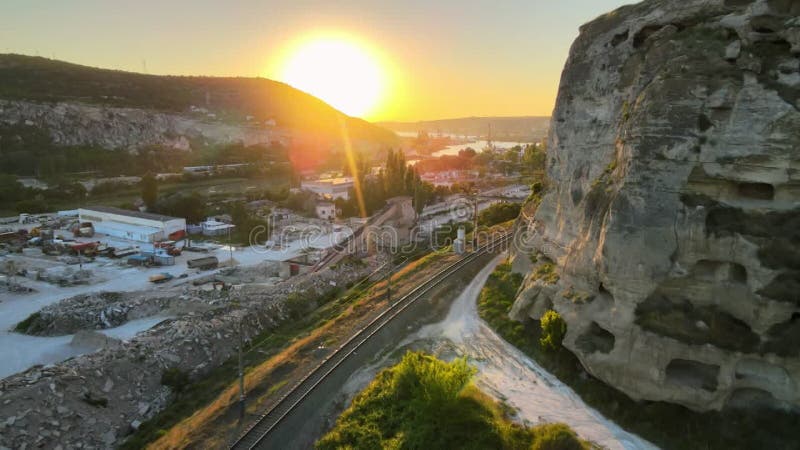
(669, 237)
(73, 123)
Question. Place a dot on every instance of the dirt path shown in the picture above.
(504, 371)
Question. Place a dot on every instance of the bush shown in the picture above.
(499, 213)
(297, 305)
(553, 330)
(30, 325)
(424, 402)
(32, 206)
(557, 436)
(175, 379)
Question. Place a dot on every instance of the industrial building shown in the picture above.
(330, 188)
(133, 225)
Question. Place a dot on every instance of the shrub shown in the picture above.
(298, 305)
(557, 436)
(499, 213)
(175, 379)
(31, 325)
(547, 273)
(553, 330)
(424, 402)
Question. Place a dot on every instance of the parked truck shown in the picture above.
(161, 278)
(207, 263)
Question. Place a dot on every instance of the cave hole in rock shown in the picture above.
(784, 288)
(766, 24)
(681, 320)
(604, 295)
(783, 338)
(752, 399)
(693, 374)
(719, 271)
(756, 191)
(704, 123)
(620, 38)
(595, 340)
(641, 37)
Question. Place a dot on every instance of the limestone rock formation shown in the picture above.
(74, 123)
(669, 238)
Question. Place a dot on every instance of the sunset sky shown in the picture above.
(437, 59)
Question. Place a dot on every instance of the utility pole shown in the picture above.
(475, 225)
(240, 362)
(389, 281)
(241, 375)
(230, 245)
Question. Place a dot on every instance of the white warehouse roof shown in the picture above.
(129, 213)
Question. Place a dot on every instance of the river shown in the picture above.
(475, 143)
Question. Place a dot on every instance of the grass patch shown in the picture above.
(664, 424)
(31, 325)
(547, 273)
(425, 403)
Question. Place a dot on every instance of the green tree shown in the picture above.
(553, 330)
(191, 207)
(240, 216)
(149, 191)
(499, 213)
(534, 158)
(512, 154)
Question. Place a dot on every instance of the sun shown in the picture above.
(337, 70)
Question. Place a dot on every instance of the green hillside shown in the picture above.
(45, 80)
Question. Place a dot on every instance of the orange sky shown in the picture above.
(447, 58)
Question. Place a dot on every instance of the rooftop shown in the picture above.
(330, 181)
(129, 213)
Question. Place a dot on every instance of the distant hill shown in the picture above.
(232, 100)
(511, 128)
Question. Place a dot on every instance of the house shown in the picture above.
(214, 227)
(133, 225)
(330, 188)
(326, 210)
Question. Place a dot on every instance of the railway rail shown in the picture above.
(257, 432)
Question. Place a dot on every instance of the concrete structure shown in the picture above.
(330, 188)
(326, 210)
(300, 265)
(133, 225)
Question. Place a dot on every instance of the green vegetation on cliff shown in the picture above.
(499, 213)
(426, 403)
(664, 424)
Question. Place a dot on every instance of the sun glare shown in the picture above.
(338, 71)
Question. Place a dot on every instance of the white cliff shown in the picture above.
(669, 235)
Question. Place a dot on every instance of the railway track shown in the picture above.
(257, 432)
